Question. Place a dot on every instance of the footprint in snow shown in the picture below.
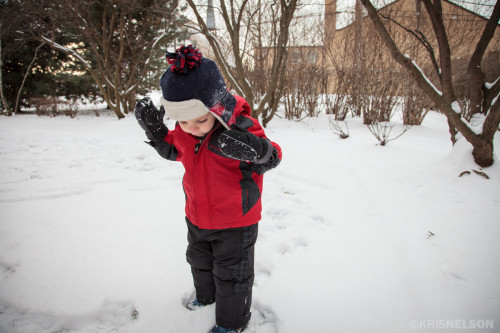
(6, 270)
(263, 320)
(296, 244)
(109, 318)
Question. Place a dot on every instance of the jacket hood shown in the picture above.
(227, 117)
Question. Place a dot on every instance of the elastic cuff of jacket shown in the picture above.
(268, 154)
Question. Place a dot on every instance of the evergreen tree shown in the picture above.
(113, 42)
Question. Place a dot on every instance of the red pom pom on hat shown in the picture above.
(184, 59)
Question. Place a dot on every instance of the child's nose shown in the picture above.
(193, 128)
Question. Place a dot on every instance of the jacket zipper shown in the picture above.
(196, 150)
(197, 146)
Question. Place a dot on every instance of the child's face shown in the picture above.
(198, 126)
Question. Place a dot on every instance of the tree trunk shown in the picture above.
(483, 152)
(453, 131)
(358, 64)
(16, 106)
(5, 102)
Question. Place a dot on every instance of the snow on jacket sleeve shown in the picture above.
(252, 125)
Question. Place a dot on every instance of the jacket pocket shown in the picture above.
(250, 193)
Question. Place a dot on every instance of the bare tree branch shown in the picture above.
(16, 107)
(236, 71)
(475, 72)
(435, 11)
(482, 142)
(422, 39)
(119, 38)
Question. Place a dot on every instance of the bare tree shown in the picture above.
(339, 128)
(341, 78)
(483, 95)
(249, 25)
(114, 40)
(306, 76)
(5, 102)
(358, 67)
(381, 99)
(382, 130)
(9, 24)
(303, 87)
(16, 106)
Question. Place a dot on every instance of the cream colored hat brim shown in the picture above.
(187, 110)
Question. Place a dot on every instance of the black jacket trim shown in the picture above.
(165, 150)
(250, 193)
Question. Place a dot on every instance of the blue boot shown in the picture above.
(194, 305)
(220, 329)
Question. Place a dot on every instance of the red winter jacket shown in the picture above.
(220, 192)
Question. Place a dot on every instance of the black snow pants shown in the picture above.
(222, 264)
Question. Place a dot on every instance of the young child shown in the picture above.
(225, 153)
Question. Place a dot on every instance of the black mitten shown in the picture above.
(272, 163)
(151, 119)
(239, 144)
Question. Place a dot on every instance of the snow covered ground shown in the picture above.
(355, 237)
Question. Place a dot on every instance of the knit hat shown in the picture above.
(193, 86)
